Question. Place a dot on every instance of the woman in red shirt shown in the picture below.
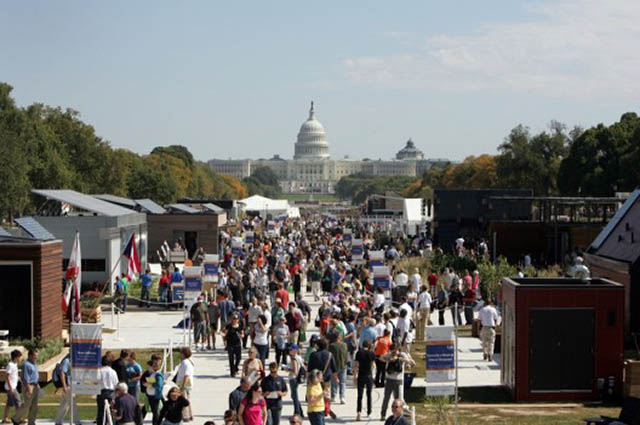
(253, 408)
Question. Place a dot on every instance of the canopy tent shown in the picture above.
(265, 206)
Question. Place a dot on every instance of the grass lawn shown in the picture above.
(48, 405)
(493, 405)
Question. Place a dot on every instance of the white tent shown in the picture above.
(264, 206)
(412, 215)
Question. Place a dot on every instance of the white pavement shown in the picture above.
(153, 329)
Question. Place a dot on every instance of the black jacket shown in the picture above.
(318, 360)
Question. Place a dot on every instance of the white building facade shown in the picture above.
(312, 170)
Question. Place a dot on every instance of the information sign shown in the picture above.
(86, 356)
(440, 354)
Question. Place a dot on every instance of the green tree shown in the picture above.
(177, 151)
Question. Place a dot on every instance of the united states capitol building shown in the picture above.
(313, 171)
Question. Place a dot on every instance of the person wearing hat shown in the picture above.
(199, 323)
(296, 371)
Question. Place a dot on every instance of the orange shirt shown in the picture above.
(382, 346)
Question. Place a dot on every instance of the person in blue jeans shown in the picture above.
(295, 366)
(145, 290)
(339, 351)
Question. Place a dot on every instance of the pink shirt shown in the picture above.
(252, 414)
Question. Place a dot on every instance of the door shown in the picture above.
(15, 285)
(561, 353)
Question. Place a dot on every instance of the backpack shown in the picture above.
(57, 371)
(302, 372)
(394, 366)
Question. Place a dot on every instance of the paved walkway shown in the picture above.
(144, 329)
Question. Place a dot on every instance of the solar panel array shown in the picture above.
(84, 202)
(151, 206)
(35, 229)
(125, 202)
(3, 232)
(213, 207)
(183, 208)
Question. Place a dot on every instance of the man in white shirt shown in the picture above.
(424, 312)
(11, 384)
(416, 279)
(489, 318)
(401, 282)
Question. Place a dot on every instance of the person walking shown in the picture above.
(381, 348)
(237, 395)
(323, 360)
(396, 361)
(455, 303)
(126, 407)
(423, 312)
(109, 379)
(316, 394)
(11, 385)
(172, 408)
(339, 351)
(198, 315)
(363, 375)
(153, 381)
(261, 337)
(134, 374)
(253, 368)
(145, 288)
(296, 370)
(253, 409)
(489, 319)
(469, 301)
(66, 398)
(184, 379)
(280, 338)
(233, 334)
(274, 388)
(32, 390)
(213, 315)
(442, 301)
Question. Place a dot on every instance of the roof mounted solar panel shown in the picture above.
(151, 206)
(183, 208)
(84, 202)
(3, 232)
(602, 236)
(213, 207)
(119, 200)
(33, 228)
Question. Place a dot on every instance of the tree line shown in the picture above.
(598, 161)
(46, 147)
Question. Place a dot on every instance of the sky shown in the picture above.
(235, 79)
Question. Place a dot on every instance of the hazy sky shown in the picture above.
(233, 80)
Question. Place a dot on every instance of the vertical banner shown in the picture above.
(248, 237)
(347, 236)
(271, 227)
(382, 277)
(192, 282)
(357, 252)
(236, 246)
(86, 356)
(376, 258)
(210, 267)
(440, 358)
(177, 292)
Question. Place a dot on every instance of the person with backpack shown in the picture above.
(62, 380)
(297, 374)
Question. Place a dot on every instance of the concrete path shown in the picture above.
(144, 329)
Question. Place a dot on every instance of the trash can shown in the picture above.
(408, 380)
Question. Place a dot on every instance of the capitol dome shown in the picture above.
(312, 140)
(410, 152)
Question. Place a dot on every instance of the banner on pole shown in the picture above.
(348, 235)
(210, 266)
(249, 237)
(357, 252)
(236, 246)
(177, 292)
(440, 354)
(86, 358)
(192, 282)
(382, 277)
(376, 258)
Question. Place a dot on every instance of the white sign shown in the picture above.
(440, 390)
(210, 266)
(440, 354)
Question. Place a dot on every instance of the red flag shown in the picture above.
(133, 266)
(73, 276)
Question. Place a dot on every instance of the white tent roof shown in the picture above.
(260, 203)
(413, 209)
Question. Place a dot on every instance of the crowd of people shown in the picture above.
(277, 343)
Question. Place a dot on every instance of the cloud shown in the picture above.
(583, 49)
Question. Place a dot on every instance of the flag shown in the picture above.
(133, 266)
(73, 277)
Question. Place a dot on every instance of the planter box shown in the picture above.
(45, 370)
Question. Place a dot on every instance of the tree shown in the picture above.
(473, 173)
(177, 151)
